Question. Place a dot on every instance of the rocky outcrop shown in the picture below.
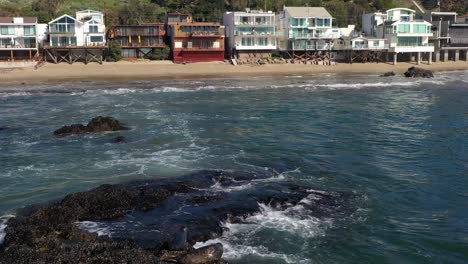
(207, 254)
(96, 125)
(388, 74)
(415, 72)
(52, 233)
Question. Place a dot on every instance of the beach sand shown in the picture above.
(131, 71)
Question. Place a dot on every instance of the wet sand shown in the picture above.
(132, 71)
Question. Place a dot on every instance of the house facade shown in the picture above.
(138, 41)
(19, 38)
(404, 33)
(194, 41)
(250, 33)
(87, 29)
(305, 29)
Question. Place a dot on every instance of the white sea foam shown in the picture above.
(293, 220)
(239, 251)
(3, 220)
(94, 227)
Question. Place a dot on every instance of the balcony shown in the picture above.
(18, 46)
(61, 32)
(253, 33)
(367, 47)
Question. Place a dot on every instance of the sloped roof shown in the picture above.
(296, 11)
(26, 20)
(60, 17)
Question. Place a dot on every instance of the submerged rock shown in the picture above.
(207, 254)
(96, 125)
(388, 74)
(119, 140)
(52, 233)
(418, 73)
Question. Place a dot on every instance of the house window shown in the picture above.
(63, 25)
(93, 29)
(247, 42)
(404, 28)
(96, 39)
(263, 41)
(29, 30)
(376, 43)
(419, 28)
(7, 30)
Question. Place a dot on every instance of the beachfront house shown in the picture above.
(305, 29)
(138, 41)
(194, 41)
(404, 34)
(249, 33)
(87, 29)
(450, 37)
(81, 38)
(20, 38)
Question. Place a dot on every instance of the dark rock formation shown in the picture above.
(418, 73)
(388, 74)
(96, 125)
(52, 234)
(208, 254)
(119, 140)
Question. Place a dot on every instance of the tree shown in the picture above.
(114, 51)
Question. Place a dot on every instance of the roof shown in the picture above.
(58, 18)
(401, 8)
(26, 20)
(306, 11)
(89, 11)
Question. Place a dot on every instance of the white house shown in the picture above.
(250, 32)
(305, 28)
(87, 29)
(403, 32)
(19, 37)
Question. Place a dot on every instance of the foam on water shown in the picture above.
(293, 220)
(94, 227)
(3, 220)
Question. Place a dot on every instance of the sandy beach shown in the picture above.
(130, 71)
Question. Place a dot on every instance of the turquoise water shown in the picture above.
(400, 145)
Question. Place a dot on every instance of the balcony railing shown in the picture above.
(414, 45)
(315, 36)
(61, 32)
(18, 46)
(368, 47)
(244, 33)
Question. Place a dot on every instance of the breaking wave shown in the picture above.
(3, 221)
(238, 239)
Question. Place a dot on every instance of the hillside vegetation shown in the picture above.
(134, 11)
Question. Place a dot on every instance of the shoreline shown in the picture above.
(148, 71)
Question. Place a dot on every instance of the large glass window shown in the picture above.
(64, 25)
(409, 41)
(7, 30)
(404, 28)
(419, 28)
(96, 39)
(247, 42)
(29, 30)
(93, 29)
(263, 41)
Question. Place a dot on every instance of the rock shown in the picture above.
(102, 124)
(208, 254)
(180, 240)
(418, 73)
(119, 140)
(206, 199)
(388, 74)
(96, 125)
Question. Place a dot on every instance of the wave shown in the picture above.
(94, 227)
(3, 220)
(294, 220)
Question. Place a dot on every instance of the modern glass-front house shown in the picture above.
(403, 32)
(250, 32)
(305, 28)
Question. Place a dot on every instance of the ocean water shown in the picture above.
(400, 146)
